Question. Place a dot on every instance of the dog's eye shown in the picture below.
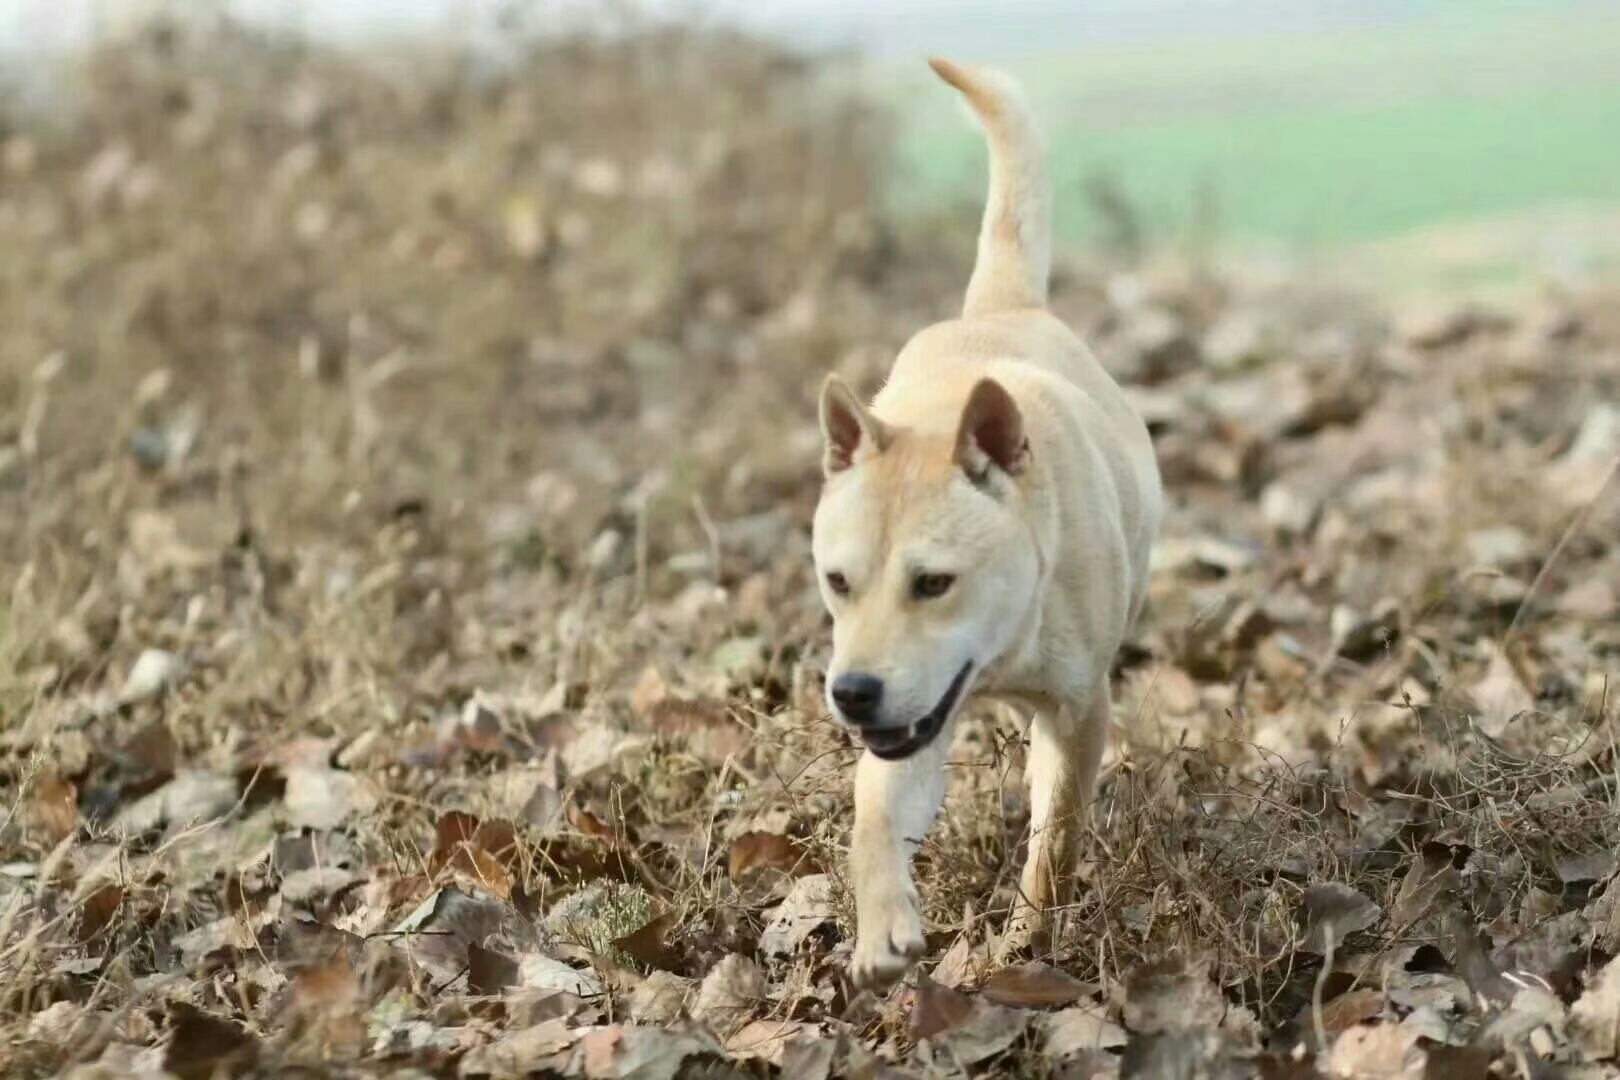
(931, 586)
(838, 583)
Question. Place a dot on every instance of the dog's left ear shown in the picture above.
(991, 432)
(849, 431)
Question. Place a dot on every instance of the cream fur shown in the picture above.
(1042, 502)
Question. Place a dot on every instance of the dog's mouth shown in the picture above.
(897, 744)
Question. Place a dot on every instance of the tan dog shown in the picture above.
(984, 529)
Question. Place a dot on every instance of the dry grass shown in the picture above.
(442, 448)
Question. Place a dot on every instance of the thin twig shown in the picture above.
(1570, 533)
(710, 533)
(1316, 992)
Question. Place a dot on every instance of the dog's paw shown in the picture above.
(887, 944)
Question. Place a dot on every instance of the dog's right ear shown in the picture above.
(849, 431)
(991, 432)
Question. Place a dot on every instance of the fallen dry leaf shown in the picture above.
(1430, 877)
(638, 1053)
(767, 1040)
(216, 937)
(454, 827)
(1427, 989)
(1035, 985)
(985, 1032)
(489, 972)
(192, 796)
(98, 910)
(962, 965)
(56, 1022)
(1330, 913)
(460, 847)
(515, 1054)
(151, 750)
(53, 809)
(705, 725)
(330, 987)
(438, 931)
(537, 971)
(203, 1047)
(589, 824)
(326, 1004)
(649, 689)
(499, 838)
(477, 729)
(660, 998)
(316, 883)
(1473, 962)
(122, 1059)
(303, 939)
(936, 1009)
(1592, 866)
(729, 993)
(1174, 994)
(1346, 1011)
(1458, 1063)
(808, 1057)
(1071, 1032)
(651, 945)
(1552, 951)
(1429, 1025)
(322, 798)
(1500, 692)
(807, 908)
(762, 850)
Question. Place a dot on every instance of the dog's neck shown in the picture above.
(1021, 660)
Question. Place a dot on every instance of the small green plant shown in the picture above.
(599, 914)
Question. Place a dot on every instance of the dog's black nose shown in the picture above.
(858, 696)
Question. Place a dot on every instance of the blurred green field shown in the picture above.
(1466, 113)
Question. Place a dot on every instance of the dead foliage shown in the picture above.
(410, 657)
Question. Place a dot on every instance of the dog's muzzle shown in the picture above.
(897, 744)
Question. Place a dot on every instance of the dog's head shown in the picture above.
(926, 560)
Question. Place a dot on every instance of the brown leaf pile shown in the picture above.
(410, 659)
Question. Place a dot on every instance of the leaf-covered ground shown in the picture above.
(410, 658)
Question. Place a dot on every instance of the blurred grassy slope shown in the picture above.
(1464, 113)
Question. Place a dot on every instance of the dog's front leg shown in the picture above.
(895, 803)
(1066, 743)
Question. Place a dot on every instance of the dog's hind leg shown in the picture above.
(895, 804)
(1065, 748)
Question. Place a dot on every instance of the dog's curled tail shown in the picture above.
(1015, 240)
